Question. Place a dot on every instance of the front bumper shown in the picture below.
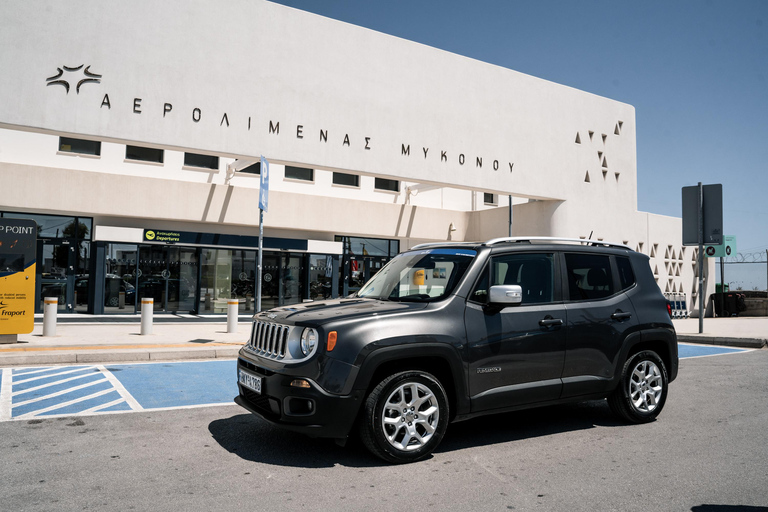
(311, 411)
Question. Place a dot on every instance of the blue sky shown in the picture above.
(695, 71)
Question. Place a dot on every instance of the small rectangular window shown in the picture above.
(489, 199)
(144, 154)
(202, 161)
(252, 169)
(299, 173)
(80, 146)
(385, 184)
(349, 180)
(626, 275)
(589, 276)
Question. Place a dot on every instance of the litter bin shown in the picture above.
(728, 304)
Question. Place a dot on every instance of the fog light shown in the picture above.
(300, 383)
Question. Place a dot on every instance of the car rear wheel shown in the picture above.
(405, 417)
(642, 392)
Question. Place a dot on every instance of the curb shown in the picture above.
(706, 339)
(116, 356)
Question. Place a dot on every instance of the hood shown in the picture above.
(318, 313)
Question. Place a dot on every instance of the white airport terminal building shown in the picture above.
(131, 133)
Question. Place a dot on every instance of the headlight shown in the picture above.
(308, 341)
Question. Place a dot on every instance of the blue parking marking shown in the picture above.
(98, 389)
(684, 350)
(164, 385)
(94, 389)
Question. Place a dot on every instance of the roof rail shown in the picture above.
(442, 244)
(552, 239)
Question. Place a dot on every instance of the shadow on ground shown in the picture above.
(253, 439)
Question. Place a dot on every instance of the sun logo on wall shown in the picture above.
(85, 77)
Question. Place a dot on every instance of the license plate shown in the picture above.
(249, 380)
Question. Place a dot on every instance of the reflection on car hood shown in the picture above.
(340, 309)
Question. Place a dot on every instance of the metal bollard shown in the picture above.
(50, 310)
(232, 306)
(121, 300)
(147, 309)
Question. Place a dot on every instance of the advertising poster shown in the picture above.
(18, 240)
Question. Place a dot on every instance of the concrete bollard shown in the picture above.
(50, 310)
(232, 307)
(121, 300)
(147, 309)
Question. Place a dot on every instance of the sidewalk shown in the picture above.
(746, 332)
(89, 339)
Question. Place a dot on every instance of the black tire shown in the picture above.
(415, 427)
(113, 302)
(642, 390)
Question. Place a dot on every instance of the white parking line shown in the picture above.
(29, 390)
(5, 395)
(38, 412)
(132, 402)
(76, 370)
(59, 393)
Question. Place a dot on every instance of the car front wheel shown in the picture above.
(642, 391)
(405, 417)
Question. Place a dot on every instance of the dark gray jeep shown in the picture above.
(446, 332)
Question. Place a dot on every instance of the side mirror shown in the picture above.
(505, 295)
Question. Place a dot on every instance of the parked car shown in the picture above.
(448, 332)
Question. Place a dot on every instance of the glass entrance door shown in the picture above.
(168, 275)
(182, 279)
(57, 262)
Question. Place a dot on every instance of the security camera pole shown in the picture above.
(263, 204)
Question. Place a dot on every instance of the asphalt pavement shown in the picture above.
(105, 339)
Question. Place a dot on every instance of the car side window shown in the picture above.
(589, 276)
(534, 273)
(626, 275)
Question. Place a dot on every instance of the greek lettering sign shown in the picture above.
(155, 235)
(18, 242)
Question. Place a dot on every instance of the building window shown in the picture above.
(202, 161)
(349, 180)
(490, 199)
(299, 173)
(80, 146)
(252, 169)
(144, 154)
(385, 184)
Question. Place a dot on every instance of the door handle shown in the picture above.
(548, 321)
(620, 315)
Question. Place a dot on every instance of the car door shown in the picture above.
(600, 317)
(516, 354)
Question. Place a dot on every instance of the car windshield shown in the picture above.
(419, 276)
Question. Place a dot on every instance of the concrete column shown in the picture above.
(147, 310)
(50, 310)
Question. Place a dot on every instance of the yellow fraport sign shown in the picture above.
(18, 241)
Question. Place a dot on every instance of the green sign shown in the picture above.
(724, 250)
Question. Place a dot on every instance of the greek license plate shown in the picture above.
(249, 380)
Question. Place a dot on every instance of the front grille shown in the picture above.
(269, 340)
